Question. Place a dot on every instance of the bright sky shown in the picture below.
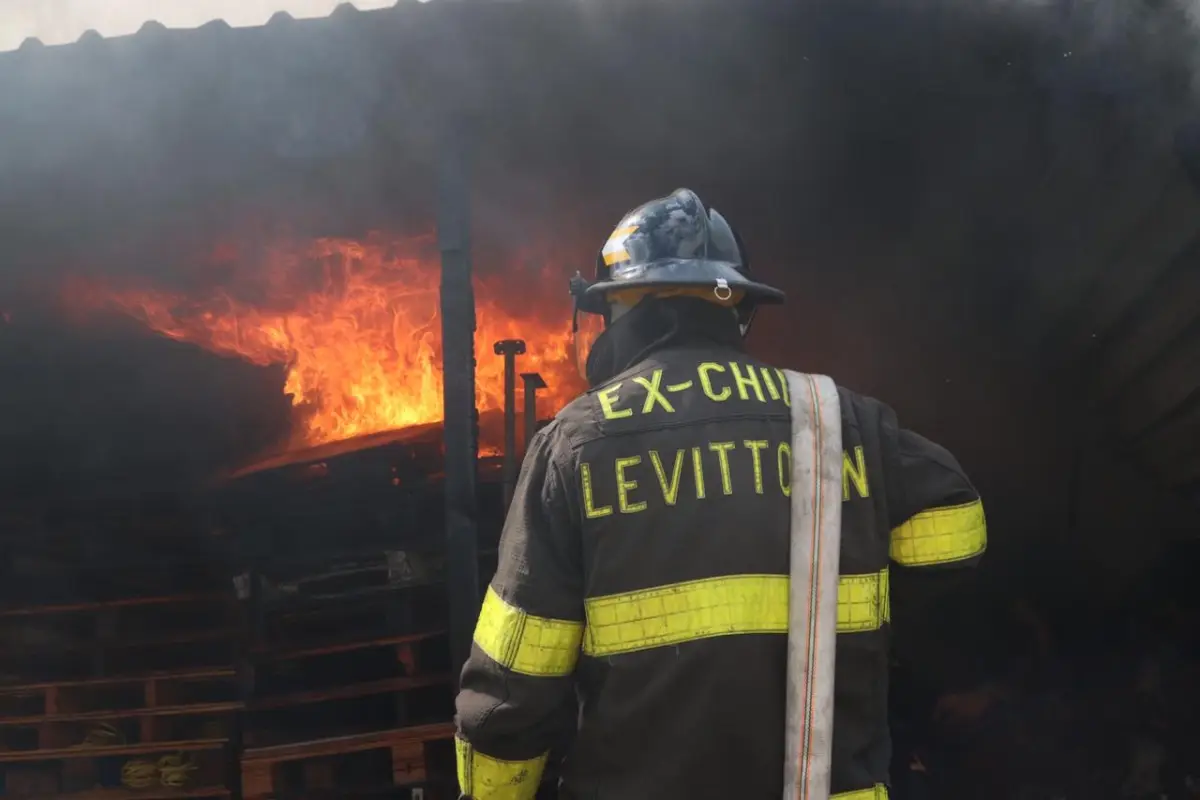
(61, 21)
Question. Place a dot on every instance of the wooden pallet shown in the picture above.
(77, 771)
(261, 771)
(68, 737)
(136, 794)
(385, 593)
(323, 682)
(49, 713)
(110, 605)
(59, 642)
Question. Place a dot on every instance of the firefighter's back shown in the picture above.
(644, 558)
(684, 465)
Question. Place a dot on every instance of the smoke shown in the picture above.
(901, 169)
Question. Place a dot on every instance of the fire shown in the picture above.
(357, 326)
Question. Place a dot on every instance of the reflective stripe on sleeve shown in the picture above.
(524, 643)
(482, 777)
(878, 792)
(734, 604)
(941, 536)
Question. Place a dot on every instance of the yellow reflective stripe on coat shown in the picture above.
(941, 536)
(879, 792)
(864, 602)
(482, 777)
(734, 604)
(524, 643)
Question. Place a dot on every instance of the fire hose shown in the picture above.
(816, 530)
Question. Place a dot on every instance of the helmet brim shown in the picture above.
(676, 273)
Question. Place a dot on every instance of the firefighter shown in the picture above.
(637, 620)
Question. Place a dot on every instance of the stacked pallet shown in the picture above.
(100, 703)
(351, 689)
(340, 550)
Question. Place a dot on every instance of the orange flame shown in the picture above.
(358, 326)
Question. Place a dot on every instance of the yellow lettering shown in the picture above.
(722, 450)
(784, 457)
(653, 393)
(589, 504)
(680, 387)
(854, 472)
(698, 472)
(750, 380)
(783, 387)
(706, 381)
(755, 448)
(608, 399)
(770, 382)
(670, 490)
(624, 487)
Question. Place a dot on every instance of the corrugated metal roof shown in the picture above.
(74, 25)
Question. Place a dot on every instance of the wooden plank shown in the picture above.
(14, 756)
(343, 646)
(349, 744)
(126, 713)
(157, 793)
(147, 725)
(47, 735)
(125, 602)
(258, 779)
(346, 692)
(183, 637)
(408, 763)
(110, 680)
(119, 643)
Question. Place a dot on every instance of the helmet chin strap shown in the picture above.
(744, 327)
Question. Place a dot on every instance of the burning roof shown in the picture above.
(356, 326)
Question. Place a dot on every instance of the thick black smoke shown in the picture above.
(911, 173)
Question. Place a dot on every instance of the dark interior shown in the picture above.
(986, 216)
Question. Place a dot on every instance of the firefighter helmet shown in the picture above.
(671, 246)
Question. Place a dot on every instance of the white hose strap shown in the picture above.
(816, 500)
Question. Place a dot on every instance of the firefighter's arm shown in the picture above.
(937, 527)
(513, 701)
(936, 516)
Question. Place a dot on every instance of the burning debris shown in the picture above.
(356, 325)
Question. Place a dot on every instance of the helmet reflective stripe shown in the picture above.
(614, 248)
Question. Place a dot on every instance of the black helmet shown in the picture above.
(672, 244)
(667, 247)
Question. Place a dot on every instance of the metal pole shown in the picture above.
(533, 382)
(458, 391)
(510, 349)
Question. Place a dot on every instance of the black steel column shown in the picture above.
(533, 381)
(510, 349)
(458, 386)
